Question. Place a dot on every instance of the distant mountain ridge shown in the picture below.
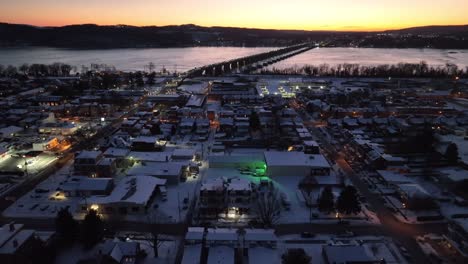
(425, 30)
(125, 36)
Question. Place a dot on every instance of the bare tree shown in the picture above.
(24, 68)
(267, 207)
(153, 236)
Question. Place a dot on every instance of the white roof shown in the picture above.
(82, 183)
(413, 189)
(146, 139)
(10, 130)
(213, 185)
(192, 254)
(221, 255)
(116, 152)
(8, 237)
(238, 184)
(393, 177)
(455, 174)
(295, 158)
(156, 169)
(186, 152)
(131, 189)
(222, 234)
(149, 156)
(195, 233)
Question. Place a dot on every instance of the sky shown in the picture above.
(348, 15)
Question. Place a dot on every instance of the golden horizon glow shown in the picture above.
(338, 15)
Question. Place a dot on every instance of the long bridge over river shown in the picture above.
(248, 63)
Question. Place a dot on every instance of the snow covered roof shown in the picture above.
(119, 249)
(10, 130)
(221, 255)
(195, 233)
(131, 189)
(156, 169)
(116, 152)
(238, 184)
(295, 158)
(413, 190)
(393, 177)
(9, 236)
(213, 185)
(149, 156)
(196, 100)
(82, 183)
(187, 152)
(146, 139)
(192, 254)
(311, 143)
(222, 234)
(455, 174)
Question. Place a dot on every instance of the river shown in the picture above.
(182, 59)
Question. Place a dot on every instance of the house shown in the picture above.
(239, 193)
(120, 251)
(10, 131)
(222, 236)
(183, 154)
(458, 234)
(106, 167)
(64, 129)
(172, 172)
(193, 245)
(132, 196)
(17, 245)
(47, 144)
(79, 186)
(86, 162)
(212, 197)
(146, 143)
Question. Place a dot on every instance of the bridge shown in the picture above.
(249, 63)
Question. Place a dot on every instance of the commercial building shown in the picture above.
(294, 163)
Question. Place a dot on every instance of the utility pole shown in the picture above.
(178, 204)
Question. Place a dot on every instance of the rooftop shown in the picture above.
(131, 189)
(295, 158)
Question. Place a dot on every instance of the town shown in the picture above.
(238, 166)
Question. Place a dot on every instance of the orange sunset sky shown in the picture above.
(353, 15)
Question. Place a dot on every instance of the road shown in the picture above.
(404, 234)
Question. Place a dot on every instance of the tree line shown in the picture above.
(421, 69)
(37, 70)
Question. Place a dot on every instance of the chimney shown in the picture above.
(12, 226)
